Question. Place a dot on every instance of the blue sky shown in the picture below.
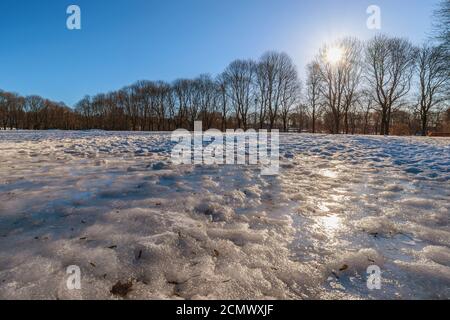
(123, 41)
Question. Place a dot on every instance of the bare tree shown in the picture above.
(442, 24)
(389, 69)
(313, 90)
(352, 66)
(433, 78)
(129, 99)
(300, 117)
(208, 99)
(332, 88)
(222, 87)
(182, 97)
(239, 76)
(290, 96)
(366, 103)
(35, 106)
(11, 110)
(83, 108)
(145, 92)
(278, 87)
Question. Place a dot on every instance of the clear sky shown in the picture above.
(122, 41)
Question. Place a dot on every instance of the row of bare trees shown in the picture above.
(375, 83)
(34, 113)
(247, 94)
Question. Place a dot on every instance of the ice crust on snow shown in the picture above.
(115, 205)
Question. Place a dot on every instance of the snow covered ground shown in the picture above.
(114, 205)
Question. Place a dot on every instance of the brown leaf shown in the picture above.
(122, 289)
(344, 267)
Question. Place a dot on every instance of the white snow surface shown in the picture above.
(113, 204)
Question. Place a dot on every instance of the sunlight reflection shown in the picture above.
(323, 207)
(330, 223)
(329, 173)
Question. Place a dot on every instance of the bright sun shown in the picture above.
(334, 55)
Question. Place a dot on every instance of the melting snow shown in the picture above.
(113, 204)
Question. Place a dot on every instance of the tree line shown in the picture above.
(385, 85)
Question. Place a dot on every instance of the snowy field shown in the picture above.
(113, 204)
